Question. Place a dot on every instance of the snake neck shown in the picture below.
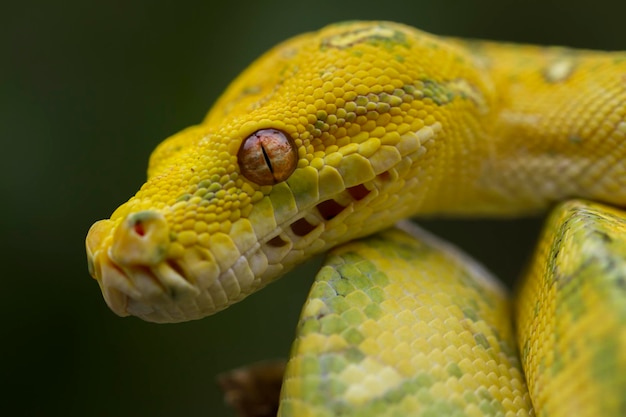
(555, 130)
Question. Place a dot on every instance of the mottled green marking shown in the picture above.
(481, 340)
(454, 370)
(585, 256)
(359, 374)
(381, 36)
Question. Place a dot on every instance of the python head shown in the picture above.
(307, 149)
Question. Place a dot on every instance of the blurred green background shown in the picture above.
(87, 90)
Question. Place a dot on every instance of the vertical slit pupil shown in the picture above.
(267, 159)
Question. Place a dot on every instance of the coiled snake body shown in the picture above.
(336, 135)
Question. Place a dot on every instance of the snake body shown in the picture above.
(335, 135)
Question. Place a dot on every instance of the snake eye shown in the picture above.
(267, 157)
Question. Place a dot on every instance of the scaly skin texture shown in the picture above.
(571, 313)
(401, 325)
(387, 122)
(420, 124)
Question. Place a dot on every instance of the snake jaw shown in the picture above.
(130, 262)
(146, 266)
(232, 204)
(142, 272)
(111, 279)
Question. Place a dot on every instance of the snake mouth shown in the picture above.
(141, 271)
(303, 228)
(130, 261)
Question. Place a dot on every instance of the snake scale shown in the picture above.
(331, 138)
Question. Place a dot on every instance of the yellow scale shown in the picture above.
(336, 135)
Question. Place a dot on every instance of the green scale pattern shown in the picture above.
(459, 356)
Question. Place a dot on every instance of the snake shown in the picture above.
(327, 143)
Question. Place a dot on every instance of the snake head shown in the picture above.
(310, 147)
(202, 233)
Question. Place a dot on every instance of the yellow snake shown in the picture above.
(336, 135)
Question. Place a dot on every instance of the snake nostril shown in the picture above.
(141, 239)
(139, 229)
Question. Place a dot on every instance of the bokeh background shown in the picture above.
(87, 89)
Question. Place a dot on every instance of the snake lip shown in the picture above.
(131, 258)
(129, 261)
(153, 293)
(307, 231)
(141, 273)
